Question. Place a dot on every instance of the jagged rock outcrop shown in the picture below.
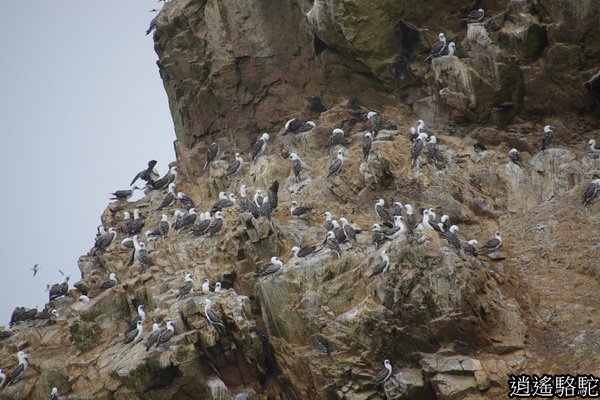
(454, 326)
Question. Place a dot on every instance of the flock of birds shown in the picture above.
(395, 221)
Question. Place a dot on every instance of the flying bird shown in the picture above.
(149, 174)
(35, 269)
(211, 154)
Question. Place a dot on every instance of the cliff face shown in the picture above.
(454, 326)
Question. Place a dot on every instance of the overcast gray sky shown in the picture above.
(83, 110)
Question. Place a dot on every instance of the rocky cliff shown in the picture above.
(453, 325)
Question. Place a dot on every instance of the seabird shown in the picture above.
(382, 266)
(395, 209)
(83, 298)
(35, 269)
(140, 253)
(217, 287)
(349, 231)
(594, 148)
(244, 203)
(225, 201)
(493, 244)
(260, 146)
(445, 221)
(470, 247)
(216, 224)
(5, 334)
(410, 218)
(296, 165)
(105, 239)
(413, 134)
(433, 150)
(188, 220)
(336, 166)
(437, 47)
(474, 16)
(417, 147)
(187, 287)
(591, 191)
(299, 211)
(272, 193)
(178, 219)
(332, 244)
(111, 282)
(258, 198)
(166, 180)
(137, 224)
(153, 338)
(169, 197)
(295, 126)
(266, 210)
(19, 370)
(211, 154)
(124, 194)
(206, 286)
(397, 230)
(185, 200)
(451, 237)
(420, 126)
(546, 137)
(302, 252)
(164, 226)
(328, 219)
(425, 225)
(58, 290)
(271, 268)
(340, 236)
(17, 315)
(46, 313)
(212, 317)
(377, 236)
(336, 138)
(149, 174)
(235, 167)
(201, 227)
(366, 144)
(384, 374)
(152, 25)
(2, 377)
(141, 317)
(381, 211)
(376, 122)
(167, 334)
(514, 156)
(449, 50)
(53, 394)
(30, 314)
(134, 335)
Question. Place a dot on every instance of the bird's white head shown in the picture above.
(328, 215)
(432, 139)
(172, 187)
(171, 324)
(238, 156)
(54, 391)
(126, 215)
(274, 259)
(409, 209)
(473, 242)
(442, 37)
(330, 235)
(293, 156)
(497, 234)
(141, 309)
(387, 364)
(231, 197)
(287, 124)
(142, 245)
(444, 218)
(219, 214)
(295, 250)
(311, 123)
(376, 227)
(368, 134)
(453, 229)
(113, 276)
(265, 136)
(344, 221)
(547, 129)
(337, 131)
(513, 152)
(55, 313)
(164, 217)
(371, 114)
(380, 202)
(217, 286)
(188, 277)
(192, 211)
(155, 327)
(480, 10)
(294, 203)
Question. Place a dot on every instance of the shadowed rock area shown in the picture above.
(453, 325)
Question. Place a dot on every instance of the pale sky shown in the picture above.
(83, 110)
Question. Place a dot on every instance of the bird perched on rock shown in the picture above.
(140, 253)
(188, 220)
(546, 140)
(141, 317)
(225, 201)
(200, 228)
(169, 197)
(449, 50)
(397, 230)
(395, 209)
(2, 377)
(493, 244)
(211, 154)
(296, 164)
(167, 334)
(59, 290)
(594, 148)
(111, 282)
(336, 138)
(272, 193)
(123, 195)
(136, 224)
(149, 174)
(417, 147)
(163, 227)
(105, 239)
(376, 122)
(236, 166)
(185, 200)
(301, 252)
(336, 166)
(332, 244)
(295, 126)
(410, 218)
(274, 266)
(53, 394)
(216, 224)
(153, 338)
(474, 16)
(299, 211)
(514, 156)
(187, 287)
(451, 237)
(349, 231)
(383, 375)
(134, 335)
(382, 266)
(377, 236)
(260, 146)
(470, 247)
(217, 287)
(20, 369)
(381, 211)
(328, 218)
(5, 334)
(437, 47)
(206, 286)
(165, 181)
(366, 144)
(591, 191)
(433, 150)
(212, 317)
